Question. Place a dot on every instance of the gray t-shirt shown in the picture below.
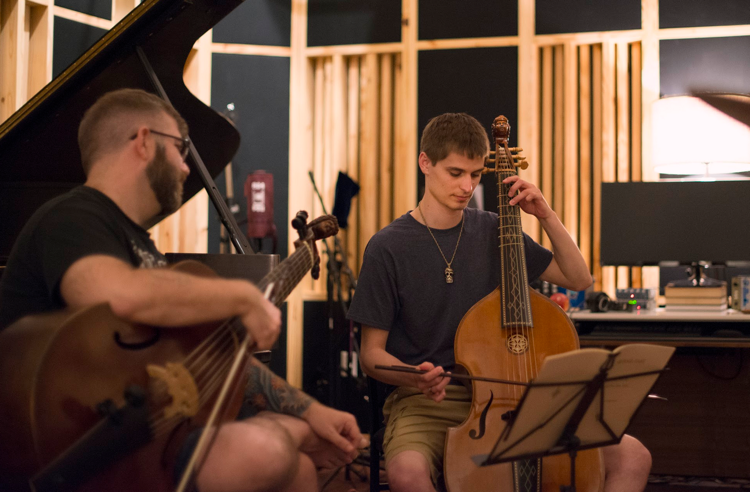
(402, 287)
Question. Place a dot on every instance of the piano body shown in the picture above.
(39, 156)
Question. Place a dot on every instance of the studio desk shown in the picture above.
(704, 427)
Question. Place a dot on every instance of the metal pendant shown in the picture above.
(449, 275)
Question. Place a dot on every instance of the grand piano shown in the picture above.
(39, 156)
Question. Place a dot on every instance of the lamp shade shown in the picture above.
(691, 137)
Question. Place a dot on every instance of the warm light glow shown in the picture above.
(691, 137)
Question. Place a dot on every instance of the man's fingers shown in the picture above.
(340, 442)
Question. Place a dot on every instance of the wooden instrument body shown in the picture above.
(507, 335)
(56, 369)
(487, 353)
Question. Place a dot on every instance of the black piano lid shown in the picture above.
(39, 156)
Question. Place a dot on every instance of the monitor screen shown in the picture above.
(685, 222)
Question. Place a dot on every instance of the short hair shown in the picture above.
(106, 126)
(454, 132)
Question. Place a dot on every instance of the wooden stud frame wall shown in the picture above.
(584, 117)
(25, 51)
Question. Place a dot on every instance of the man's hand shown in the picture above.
(337, 428)
(262, 320)
(433, 382)
(528, 197)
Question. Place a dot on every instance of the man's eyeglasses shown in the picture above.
(184, 147)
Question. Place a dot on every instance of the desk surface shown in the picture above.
(615, 328)
(661, 314)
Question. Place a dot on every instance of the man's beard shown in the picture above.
(166, 181)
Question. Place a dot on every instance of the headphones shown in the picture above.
(599, 302)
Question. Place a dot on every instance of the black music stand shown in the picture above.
(567, 413)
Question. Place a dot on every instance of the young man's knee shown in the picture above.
(409, 471)
(630, 456)
(399, 481)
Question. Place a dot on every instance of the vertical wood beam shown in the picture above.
(558, 145)
(12, 56)
(193, 218)
(385, 210)
(186, 231)
(650, 89)
(596, 169)
(338, 153)
(635, 134)
(40, 20)
(339, 119)
(584, 144)
(528, 104)
(636, 157)
(570, 132)
(405, 174)
(319, 143)
(326, 183)
(650, 80)
(609, 143)
(121, 8)
(368, 171)
(547, 102)
(352, 161)
(300, 195)
(622, 112)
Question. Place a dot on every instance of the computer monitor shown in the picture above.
(682, 222)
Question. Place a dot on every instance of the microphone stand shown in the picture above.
(336, 269)
(338, 266)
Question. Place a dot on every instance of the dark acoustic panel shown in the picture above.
(263, 22)
(323, 350)
(707, 64)
(258, 86)
(554, 16)
(450, 19)
(696, 13)
(482, 82)
(71, 40)
(684, 435)
(333, 22)
(97, 8)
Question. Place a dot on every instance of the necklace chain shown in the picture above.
(449, 270)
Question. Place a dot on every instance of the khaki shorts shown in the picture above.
(416, 423)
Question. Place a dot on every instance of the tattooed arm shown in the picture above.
(267, 391)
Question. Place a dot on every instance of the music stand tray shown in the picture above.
(579, 400)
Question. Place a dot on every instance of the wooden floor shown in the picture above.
(356, 479)
(337, 481)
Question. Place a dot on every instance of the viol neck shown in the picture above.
(514, 282)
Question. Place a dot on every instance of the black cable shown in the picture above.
(708, 371)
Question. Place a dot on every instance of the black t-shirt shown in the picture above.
(80, 223)
(402, 287)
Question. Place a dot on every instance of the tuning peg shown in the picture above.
(521, 162)
(516, 149)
